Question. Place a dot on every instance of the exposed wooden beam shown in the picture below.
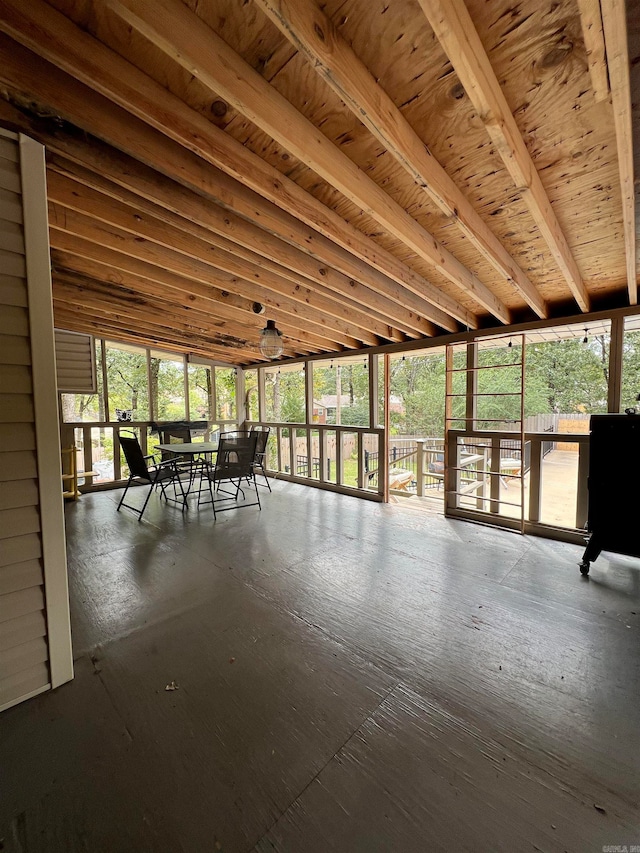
(217, 269)
(457, 34)
(154, 308)
(615, 35)
(180, 234)
(147, 190)
(89, 160)
(99, 308)
(72, 319)
(311, 32)
(326, 236)
(65, 299)
(143, 281)
(110, 245)
(184, 37)
(593, 35)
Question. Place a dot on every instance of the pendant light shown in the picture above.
(271, 345)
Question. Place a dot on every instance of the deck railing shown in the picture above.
(481, 495)
(98, 447)
(325, 455)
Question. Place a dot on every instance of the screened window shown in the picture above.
(225, 385)
(127, 383)
(200, 392)
(284, 393)
(341, 392)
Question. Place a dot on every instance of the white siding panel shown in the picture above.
(19, 521)
(9, 176)
(11, 237)
(17, 437)
(10, 207)
(9, 150)
(23, 683)
(16, 408)
(20, 603)
(12, 291)
(18, 465)
(20, 548)
(14, 350)
(12, 263)
(23, 657)
(20, 576)
(26, 341)
(14, 321)
(15, 379)
(15, 493)
(13, 632)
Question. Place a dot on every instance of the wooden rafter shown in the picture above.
(123, 251)
(615, 34)
(313, 33)
(162, 310)
(194, 260)
(43, 29)
(106, 325)
(130, 181)
(459, 39)
(142, 188)
(143, 281)
(173, 231)
(593, 34)
(182, 36)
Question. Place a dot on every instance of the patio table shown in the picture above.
(191, 449)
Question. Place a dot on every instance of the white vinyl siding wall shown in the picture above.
(25, 620)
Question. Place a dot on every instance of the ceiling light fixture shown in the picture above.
(271, 345)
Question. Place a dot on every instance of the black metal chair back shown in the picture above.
(259, 464)
(162, 474)
(235, 456)
(236, 433)
(234, 463)
(182, 435)
(135, 458)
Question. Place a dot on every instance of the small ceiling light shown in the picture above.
(271, 345)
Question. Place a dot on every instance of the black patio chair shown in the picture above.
(161, 474)
(188, 466)
(178, 435)
(234, 463)
(259, 463)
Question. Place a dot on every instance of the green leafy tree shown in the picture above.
(630, 370)
(570, 375)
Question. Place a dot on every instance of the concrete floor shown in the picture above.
(350, 677)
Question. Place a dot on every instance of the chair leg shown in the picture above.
(255, 486)
(144, 505)
(124, 494)
(264, 474)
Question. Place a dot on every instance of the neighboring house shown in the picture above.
(319, 413)
(396, 404)
(328, 404)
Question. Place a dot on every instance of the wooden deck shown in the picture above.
(350, 677)
(559, 492)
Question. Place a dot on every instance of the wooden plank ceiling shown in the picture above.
(370, 171)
